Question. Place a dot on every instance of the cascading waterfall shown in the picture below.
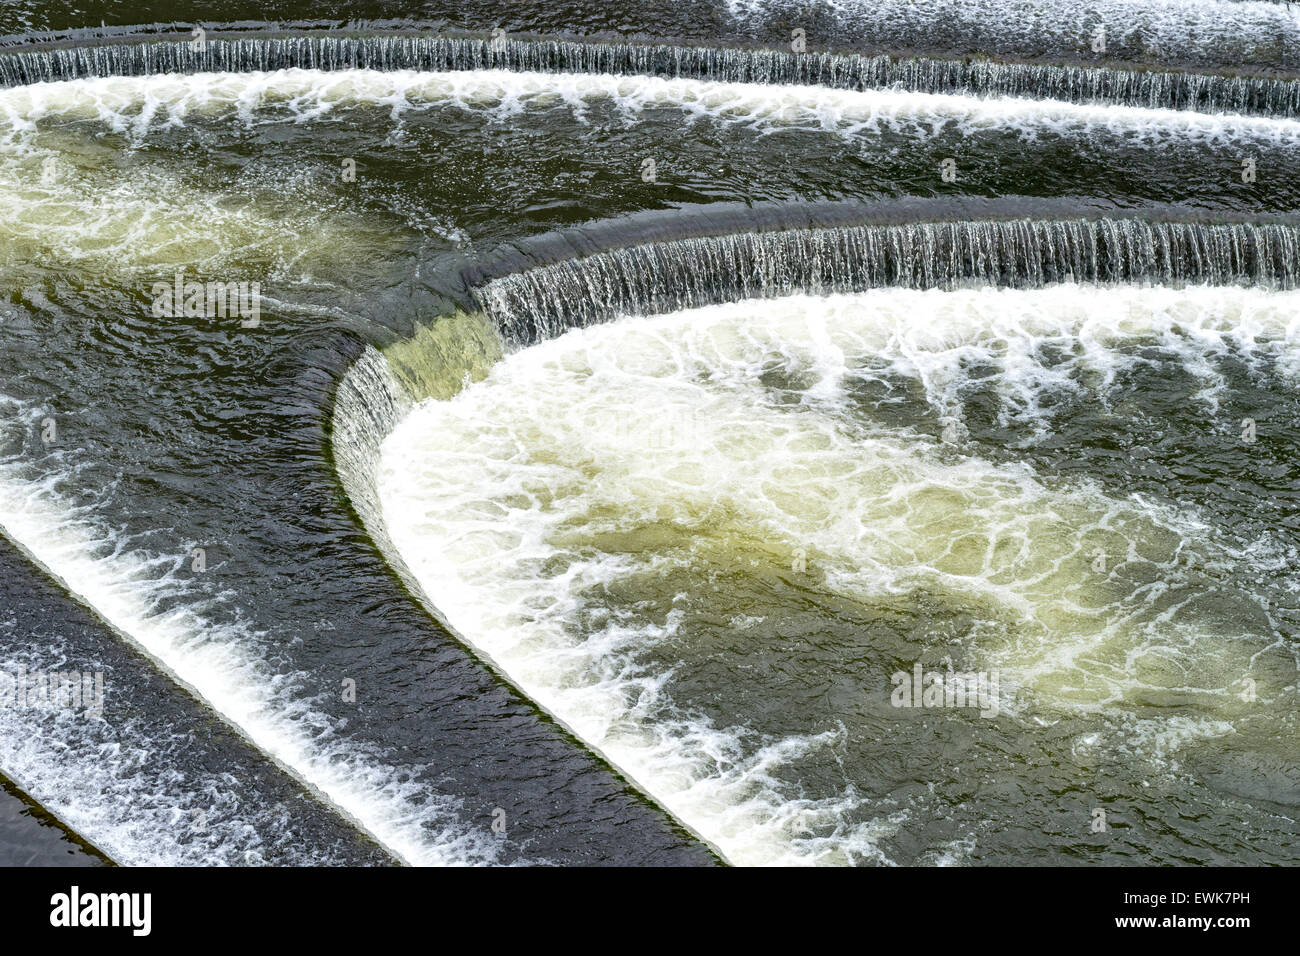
(368, 404)
(168, 798)
(1257, 95)
(675, 531)
(679, 278)
(669, 276)
(572, 550)
(1212, 33)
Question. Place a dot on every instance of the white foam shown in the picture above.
(117, 784)
(1167, 30)
(136, 105)
(144, 597)
(499, 498)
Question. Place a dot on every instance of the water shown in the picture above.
(1222, 33)
(638, 279)
(707, 540)
(480, 545)
(1077, 84)
(152, 776)
(32, 837)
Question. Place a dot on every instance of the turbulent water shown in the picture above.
(683, 373)
(1023, 252)
(1195, 32)
(1080, 84)
(706, 540)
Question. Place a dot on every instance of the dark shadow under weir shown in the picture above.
(123, 53)
(667, 276)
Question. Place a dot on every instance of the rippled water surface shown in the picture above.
(605, 444)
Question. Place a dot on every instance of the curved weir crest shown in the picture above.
(383, 473)
(661, 277)
(1150, 88)
(142, 85)
(1205, 33)
(525, 530)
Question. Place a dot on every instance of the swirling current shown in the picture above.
(649, 434)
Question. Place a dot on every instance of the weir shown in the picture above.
(180, 808)
(370, 401)
(244, 51)
(667, 276)
(580, 418)
(678, 264)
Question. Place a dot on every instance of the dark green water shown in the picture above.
(289, 688)
(710, 540)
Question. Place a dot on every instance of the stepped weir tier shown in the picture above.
(736, 432)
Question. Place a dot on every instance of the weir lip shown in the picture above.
(543, 301)
(331, 45)
(723, 218)
(905, 218)
(436, 545)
